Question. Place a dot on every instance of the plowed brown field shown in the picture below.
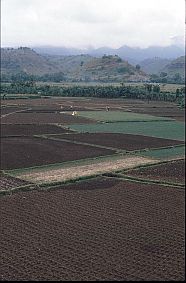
(102, 229)
(120, 141)
(44, 118)
(20, 152)
(30, 129)
(173, 171)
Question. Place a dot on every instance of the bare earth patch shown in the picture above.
(63, 174)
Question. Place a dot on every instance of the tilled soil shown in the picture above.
(8, 182)
(173, 171)
(44, 118)
(30, 129)
(120, 141)
(101, 229)
(20, 152)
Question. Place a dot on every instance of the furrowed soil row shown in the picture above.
(101, 229)
(31, 129)
(27, 152)
(173, 171)
(120, 141)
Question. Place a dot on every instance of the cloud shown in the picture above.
(80, 23)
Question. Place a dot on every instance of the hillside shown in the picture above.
(154, 65)
(106, 68)
(176, 66)
(25, 60)
(74, 68)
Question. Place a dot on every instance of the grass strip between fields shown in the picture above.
(143, 180)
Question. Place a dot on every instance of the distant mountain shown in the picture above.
(154, 65)
(132, 54)
(74, 68)
(64, 51)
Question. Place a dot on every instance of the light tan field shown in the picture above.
(74, 172)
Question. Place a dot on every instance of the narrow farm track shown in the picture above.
(18, 111)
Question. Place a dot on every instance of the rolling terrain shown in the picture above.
(73, 68)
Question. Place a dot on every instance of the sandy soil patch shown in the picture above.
(64, 174)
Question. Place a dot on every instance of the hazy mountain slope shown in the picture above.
(132, 54)
(25, 60)
(75, 68)
(154, 65)
(175, 66)
(87, 68)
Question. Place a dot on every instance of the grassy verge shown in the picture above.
(143, 180)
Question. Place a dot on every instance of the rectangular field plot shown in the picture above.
(44, 118)
(173, 171)
(166, 153)
(30, 129)
(23, 152)
(119, 141)
(96, 230)
(168, 130)
(119, 116)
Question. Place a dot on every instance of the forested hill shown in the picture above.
(26, 61)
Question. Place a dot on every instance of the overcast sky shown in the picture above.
(96, 23)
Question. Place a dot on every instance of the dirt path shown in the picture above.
(63, 174)
(18, 111)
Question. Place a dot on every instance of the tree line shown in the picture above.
(147, 91)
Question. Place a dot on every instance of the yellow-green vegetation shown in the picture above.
(165, 153)
(162, 129)
(119, 116)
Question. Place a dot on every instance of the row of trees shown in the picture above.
(147, 91)
(24, 77)
(60, 76)
(165, 78)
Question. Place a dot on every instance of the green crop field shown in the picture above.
(178, 151)
(119, 116)
(162, 129)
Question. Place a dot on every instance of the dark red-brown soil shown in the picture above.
(44, 118)
(173, 171)
(30, 129)
(8, 182)
(95, 230)
(120, 141)
(20, 152)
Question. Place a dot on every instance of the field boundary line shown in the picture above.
(141, 180)
(18, 111)
(88, 144)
